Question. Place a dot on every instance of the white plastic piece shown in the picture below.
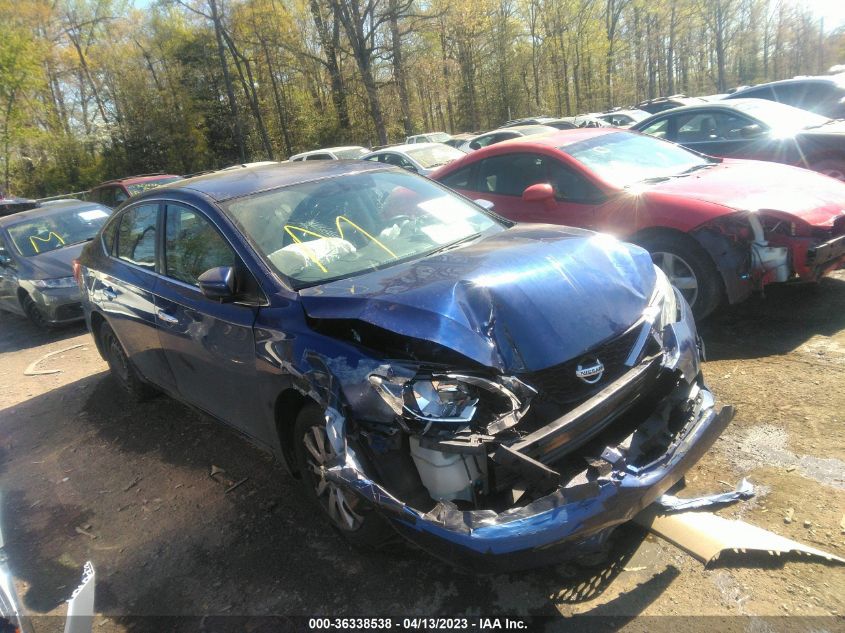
(446, 476)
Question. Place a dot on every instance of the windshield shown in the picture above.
(779, 116)
(528, 130)
(622, 158)
(318, 231)
(140, 187)
(355, 152)
(434, 156)
(57, 230)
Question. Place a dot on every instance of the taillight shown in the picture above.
(77, 272)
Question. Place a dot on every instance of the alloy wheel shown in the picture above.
(679, 272)
(319, 456)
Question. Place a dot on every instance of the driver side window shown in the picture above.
(193, 245)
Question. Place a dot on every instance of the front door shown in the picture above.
(209, 345)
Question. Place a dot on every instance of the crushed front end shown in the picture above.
(499, 472)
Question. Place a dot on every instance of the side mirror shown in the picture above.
(218, 283)
(484, 204)
(541, 192)
(752, 131)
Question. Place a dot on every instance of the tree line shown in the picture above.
(96, 89)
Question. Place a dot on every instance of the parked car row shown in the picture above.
(498, 362)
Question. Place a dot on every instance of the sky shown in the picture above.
(833, 11)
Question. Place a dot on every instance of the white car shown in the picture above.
(504, 134)
(347, 152)
(430, 137)
(420, 158)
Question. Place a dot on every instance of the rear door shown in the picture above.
(209, 345)
(124, 288)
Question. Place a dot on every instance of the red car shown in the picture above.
(719, 228)
(113, 192)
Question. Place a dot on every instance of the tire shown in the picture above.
(833, 167)
(121, 368)
(348, 514)
(689, 268)
(34, 313)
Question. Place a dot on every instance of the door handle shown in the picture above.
(167, 318)
(109, 294)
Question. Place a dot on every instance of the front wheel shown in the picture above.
(689, 268)
(34, 313)
(348, 513)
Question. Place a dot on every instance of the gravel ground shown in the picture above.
(86, 475)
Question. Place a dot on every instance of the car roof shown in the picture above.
(50, 210)
(733, 104)
(134, 180)
(838, 80)
(225, 185)
(406, 147)
(322, 150)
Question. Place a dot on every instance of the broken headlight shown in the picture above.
(452, 401)
(664, 301)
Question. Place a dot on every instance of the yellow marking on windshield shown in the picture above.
(289, 228)
(50, 236)
(347, 220)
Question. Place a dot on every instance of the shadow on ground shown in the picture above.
(777, 323)
(17, 333)
(171, 541)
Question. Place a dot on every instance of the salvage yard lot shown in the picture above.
(85, 474)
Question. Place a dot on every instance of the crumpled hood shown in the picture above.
(750, 185)
(51, 264)
(524, 299)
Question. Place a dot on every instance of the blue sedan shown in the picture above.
(502, 395)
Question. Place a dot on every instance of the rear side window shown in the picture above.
(319, 157)
(136, 236)
(109, 236)
(193, 245)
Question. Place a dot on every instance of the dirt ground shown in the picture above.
(86, 475)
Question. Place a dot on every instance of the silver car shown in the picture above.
(37, 248)
(420, 158)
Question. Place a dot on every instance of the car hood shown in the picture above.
(749, 185)
(51, 264)
(524, 299)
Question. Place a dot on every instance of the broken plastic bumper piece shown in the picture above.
(576, 517)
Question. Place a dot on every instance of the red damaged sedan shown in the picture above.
(719, 228)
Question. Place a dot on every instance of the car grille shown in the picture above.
(559, 389)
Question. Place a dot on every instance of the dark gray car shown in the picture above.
(37, 248)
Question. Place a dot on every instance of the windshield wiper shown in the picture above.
(451, 245)
(696, 168)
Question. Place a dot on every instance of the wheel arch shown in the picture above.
(709, 244)
(287, 406)
(97, 321)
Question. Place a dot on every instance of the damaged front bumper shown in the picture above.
(572, 521)
(634, 449)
